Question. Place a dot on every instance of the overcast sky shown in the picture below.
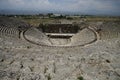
(104, 7)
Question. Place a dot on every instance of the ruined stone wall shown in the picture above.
(59, 28)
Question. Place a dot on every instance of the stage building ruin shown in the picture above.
(59, 30)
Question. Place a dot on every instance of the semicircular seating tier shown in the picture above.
(35, 36)
(83, 37)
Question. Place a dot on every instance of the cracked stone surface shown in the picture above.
(92, 63)
(97, 61)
